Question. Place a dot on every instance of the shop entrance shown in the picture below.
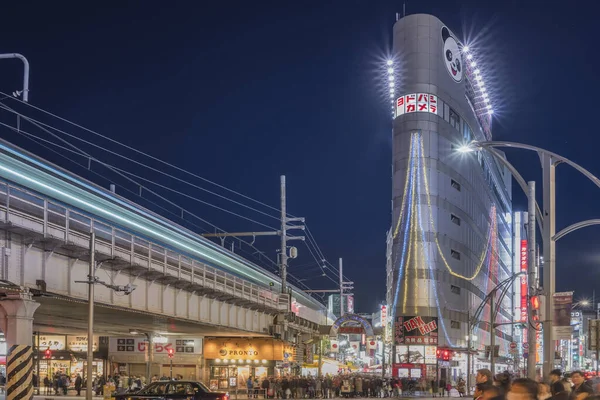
(187, 371)
(230, 377)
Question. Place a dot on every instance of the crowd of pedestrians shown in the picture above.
(559, 387)
(502, 386)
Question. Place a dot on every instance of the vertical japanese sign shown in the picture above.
(523, 258)
(562, 315)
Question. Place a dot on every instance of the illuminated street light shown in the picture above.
(546, 222)
(390, 62)
(390, 70)
(465, 49)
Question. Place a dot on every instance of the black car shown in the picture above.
(183, 390)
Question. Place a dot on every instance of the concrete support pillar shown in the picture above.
(16, 321)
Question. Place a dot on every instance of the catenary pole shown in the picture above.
(283, 253)
(90, 334)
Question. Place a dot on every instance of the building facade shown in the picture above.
(450, 242)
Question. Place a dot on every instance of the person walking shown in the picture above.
(78, 383)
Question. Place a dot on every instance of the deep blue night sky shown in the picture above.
(241, 92)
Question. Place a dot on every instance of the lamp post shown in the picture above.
(546, 220)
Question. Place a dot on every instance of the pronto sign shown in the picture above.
(351, 318)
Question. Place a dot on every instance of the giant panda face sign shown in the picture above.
(452, 56)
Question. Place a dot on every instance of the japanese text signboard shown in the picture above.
(416, 330)
(523, 258)
(417, 102)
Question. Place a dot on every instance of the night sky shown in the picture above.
(241, 92)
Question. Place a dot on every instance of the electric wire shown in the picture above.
(309, 234)
(3, 106)
(140, 152)
(82, 153)
(31, 137)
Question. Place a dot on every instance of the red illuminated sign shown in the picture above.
(524, 280)
(416, 102)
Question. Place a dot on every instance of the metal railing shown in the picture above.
(71, 228)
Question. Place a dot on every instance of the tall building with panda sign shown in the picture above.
(450, 242)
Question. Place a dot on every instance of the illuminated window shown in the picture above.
(454, 289)
(455, 254)
(455, 219)
(455, 184)
(455, 324)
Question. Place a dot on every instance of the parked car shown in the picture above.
(184, 390)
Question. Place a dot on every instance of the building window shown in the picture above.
(455, 254)
(455, 219)
(454, 120)
(467, 135)
(455, 184)
(455, 324)
(454, 289)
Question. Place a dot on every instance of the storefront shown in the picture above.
(68, 355)
(231, 361)
(129, 356)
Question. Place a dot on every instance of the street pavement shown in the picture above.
(232, 396)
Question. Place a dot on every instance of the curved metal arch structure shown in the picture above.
(574, 227)
(549, 161)
(520, 180)
(500, 286)
(555, 156)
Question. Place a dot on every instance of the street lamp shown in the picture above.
(546, 220)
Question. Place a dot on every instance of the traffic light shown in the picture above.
(535, 303)
(48, 354)
(170, 352)
(444, 355)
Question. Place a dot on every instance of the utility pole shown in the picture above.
(532, 282)
(91, 281)
(341, 290)
(283, 254)
(90, 334)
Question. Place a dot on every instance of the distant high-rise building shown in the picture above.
(451, 241)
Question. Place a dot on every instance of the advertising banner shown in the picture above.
(524, 287)
(562, 315)
(416, 330)
(334, 346)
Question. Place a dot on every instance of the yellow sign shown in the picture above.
(246, 349)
